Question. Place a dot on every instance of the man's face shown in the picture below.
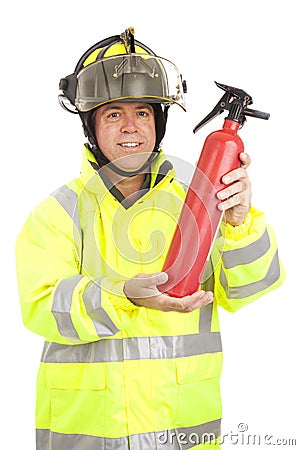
(125, 133)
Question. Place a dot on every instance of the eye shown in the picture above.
(143, 113)
(114, 115)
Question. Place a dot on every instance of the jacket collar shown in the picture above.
(91, 180)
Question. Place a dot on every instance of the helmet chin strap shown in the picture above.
(102, 160)
(160, 126)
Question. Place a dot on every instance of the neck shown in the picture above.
(128, 186)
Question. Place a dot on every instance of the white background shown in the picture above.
(253, 45)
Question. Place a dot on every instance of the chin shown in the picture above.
(132, 162)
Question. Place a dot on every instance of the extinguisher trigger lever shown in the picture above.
(218, 109)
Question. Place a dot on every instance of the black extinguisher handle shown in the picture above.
(235, 101)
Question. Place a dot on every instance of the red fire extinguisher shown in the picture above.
(200, 216)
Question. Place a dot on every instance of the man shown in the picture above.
(122, 366)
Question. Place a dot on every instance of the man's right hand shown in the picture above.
(142, 291)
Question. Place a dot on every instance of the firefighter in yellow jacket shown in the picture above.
(125, 366)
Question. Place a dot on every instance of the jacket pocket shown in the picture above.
(198, 379)
(77, 395)
(76, 376)
(200, 367)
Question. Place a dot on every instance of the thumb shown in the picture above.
(154, 279)
(162, 277)
(245, 160)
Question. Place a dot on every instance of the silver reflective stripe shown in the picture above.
(248, 254)
(42, 437)
(68, 199)
(253, 288)
(188, 437)
(118, 350)
(205, 319)
(176, 439)
(92, 300)
(61, 307)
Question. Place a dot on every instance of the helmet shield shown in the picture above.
(129, 77)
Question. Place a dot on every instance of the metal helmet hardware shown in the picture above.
(121, 68)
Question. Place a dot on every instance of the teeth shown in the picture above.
(129, 144)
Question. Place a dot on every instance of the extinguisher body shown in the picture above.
(200, 216)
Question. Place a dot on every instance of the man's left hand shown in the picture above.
(236, 198)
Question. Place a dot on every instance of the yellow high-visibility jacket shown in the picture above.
(115, 376)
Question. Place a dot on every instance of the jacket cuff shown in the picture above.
(115, 289)
(238, 232)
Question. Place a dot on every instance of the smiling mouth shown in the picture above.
(129, 144)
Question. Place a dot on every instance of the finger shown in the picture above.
(167, 303)
(207, 298)
(185, 304)
(196, 305)
(245, 160)
(235, 175)
(237, 187)
(197, 300)
(232, 201)
(152, 279)
(204, 301)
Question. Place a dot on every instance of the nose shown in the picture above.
(129, 124)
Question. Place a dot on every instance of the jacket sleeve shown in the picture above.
(245, 262)
(57, 301)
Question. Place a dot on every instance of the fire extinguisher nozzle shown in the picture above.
(257, 114)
